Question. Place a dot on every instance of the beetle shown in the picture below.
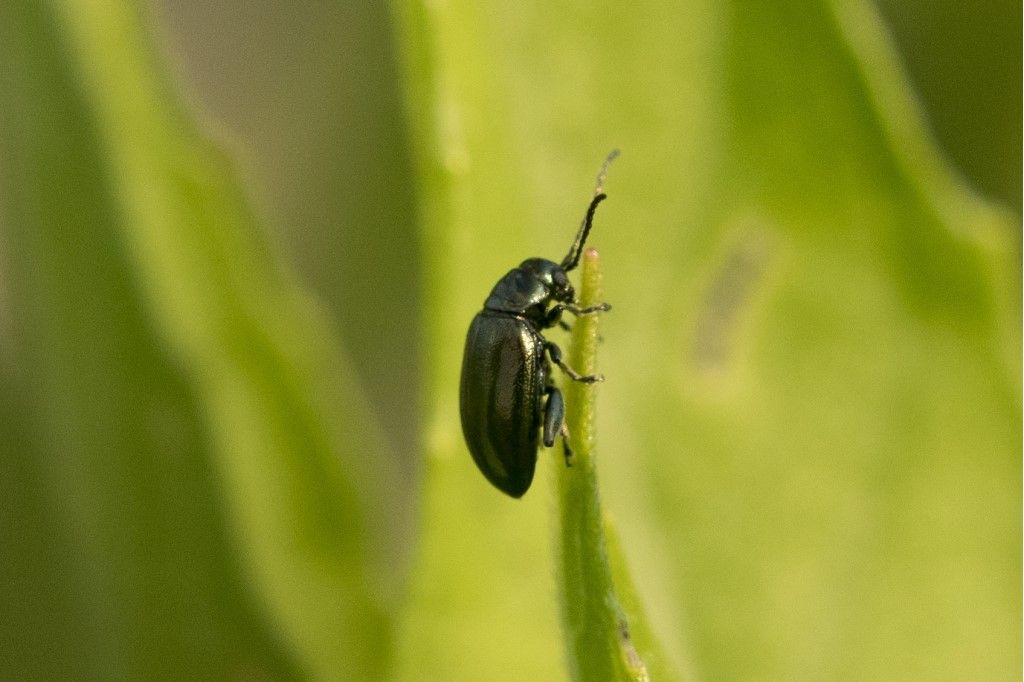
(507, 399)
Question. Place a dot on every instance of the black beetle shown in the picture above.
(505, 374)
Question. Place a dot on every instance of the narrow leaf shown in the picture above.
(290, 436)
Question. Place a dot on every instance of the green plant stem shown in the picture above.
(597, 637)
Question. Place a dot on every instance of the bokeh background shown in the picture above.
(240, 244)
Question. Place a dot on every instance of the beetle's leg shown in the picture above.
(594, 309)
(554, 316)
(554, 422)
(554, 415)
(566, 450)
(556, 357)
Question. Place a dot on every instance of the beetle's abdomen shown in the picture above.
(500, 398)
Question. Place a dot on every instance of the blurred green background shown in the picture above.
(240, 244)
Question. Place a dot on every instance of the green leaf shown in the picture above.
(117, 559)
(810, 429)
(223, 361)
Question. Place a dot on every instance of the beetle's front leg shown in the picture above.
(554, 315)
(572, 308)
(554, 422)
(591, 310)
(556, 357)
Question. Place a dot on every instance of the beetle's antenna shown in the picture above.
(599, 185)
(572, 259)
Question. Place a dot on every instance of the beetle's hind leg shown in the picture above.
(554, 422)
(566, 450)
(556, 357)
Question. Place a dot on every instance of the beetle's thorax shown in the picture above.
(527, 289)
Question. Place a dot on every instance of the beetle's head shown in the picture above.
(552, 276)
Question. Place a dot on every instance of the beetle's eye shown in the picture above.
(563, 288)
